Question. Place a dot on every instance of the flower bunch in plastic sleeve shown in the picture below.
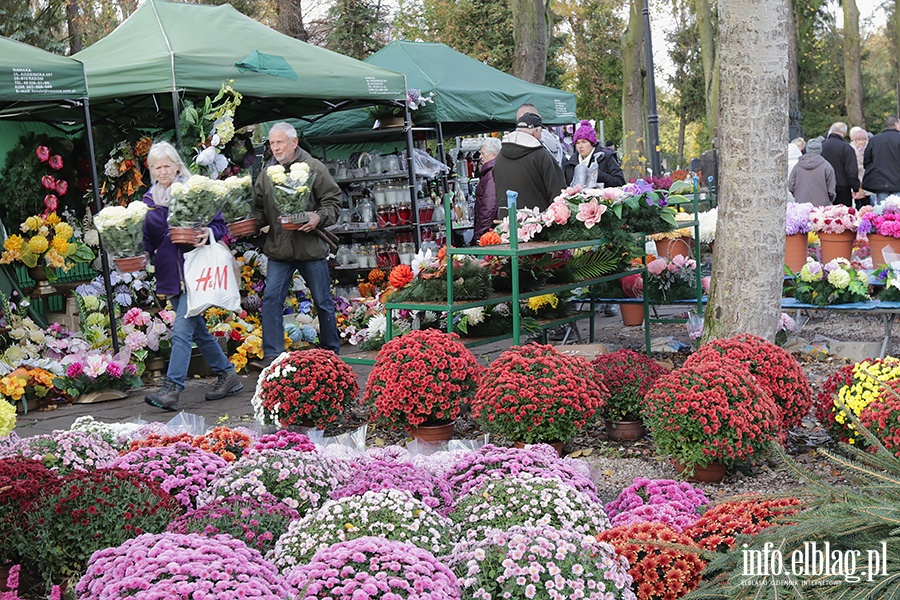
(238, 202)
(121, 228)
(291, 187)
(196, 201)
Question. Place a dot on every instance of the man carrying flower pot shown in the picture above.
(295, 250)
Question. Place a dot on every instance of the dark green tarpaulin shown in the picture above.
(191, 49)
(29, 74)
(469, 95)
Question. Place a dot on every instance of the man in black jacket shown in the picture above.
(882, 161)
(525, 166)
(842, 157)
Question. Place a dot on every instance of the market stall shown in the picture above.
(40, 87)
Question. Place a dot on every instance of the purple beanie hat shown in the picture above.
(585, 132)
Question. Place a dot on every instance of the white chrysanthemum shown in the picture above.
(839, 278)
(474, 315)
(377, 324)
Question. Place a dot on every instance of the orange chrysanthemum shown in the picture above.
(491, 238)
(376, 276)
(400, 276)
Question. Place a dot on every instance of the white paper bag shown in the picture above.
(209, 278)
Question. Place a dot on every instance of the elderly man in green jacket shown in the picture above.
(291, 250)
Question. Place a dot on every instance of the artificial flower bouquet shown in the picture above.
(835, 218)
(648, 208)
(889, 275)
(798, 218)
(712, 410)
(122, 228)
(629, 377)
(835, 282)
(195, 202)
(305, 386)
(670, 279)
(147, 336)
(882, 219)
(28, 386)
(421, 378)
(46, 241)
(291, 188)
(471, 279)
(124, 172)
(535, 394)
(96, 371)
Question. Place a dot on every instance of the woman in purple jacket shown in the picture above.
(166, 167)
(485, 193)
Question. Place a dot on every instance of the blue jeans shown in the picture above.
(880, 197)
(185, 331)
(279, 276)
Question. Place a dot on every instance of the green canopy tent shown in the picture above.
(39, 87)
(470, 97)
(166, 51)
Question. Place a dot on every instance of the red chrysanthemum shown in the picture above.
(716, 529)
(628, 376)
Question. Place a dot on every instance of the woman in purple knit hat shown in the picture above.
(587, 152)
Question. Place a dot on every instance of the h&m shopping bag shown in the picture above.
(209, 278)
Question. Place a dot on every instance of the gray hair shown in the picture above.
(165, 150)
(491, 145)
(799, 142)
(526, 108)
(285, 128)
(858, 133)
(840, 128)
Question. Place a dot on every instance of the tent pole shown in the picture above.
(98, 205)
(441, 155)
(177, 113)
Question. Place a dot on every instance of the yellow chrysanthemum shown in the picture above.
(536, 303)
(38, 244)
(61, 244)
(868, 379)
(31, 224)
(7, 418)
(52, 219)
(14, 242)
(64, 230)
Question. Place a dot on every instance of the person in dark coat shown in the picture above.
(525, 166)
(166, 167)
(587, 151)
(882, 161)
(485, 192)
(842, 157)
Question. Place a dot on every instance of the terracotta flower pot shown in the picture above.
(183, 235)
(558, 446)
(624, 431)
(877, 244)
(672, 247)
(131, 264)
(433, 433)
(836, 245)
(796, 249)
(243, 228)
(632, 314)
(714, 472)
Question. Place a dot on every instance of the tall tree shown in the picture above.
(820, 66)
(688, 103)
(633, 111)
(593, 44)
(752, 127)
(706, 21)
(531, 31)
(795, 128)
(40, 24)
(290, 19)
(853, 90)
(358, 27)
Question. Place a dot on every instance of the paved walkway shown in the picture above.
(237, 407)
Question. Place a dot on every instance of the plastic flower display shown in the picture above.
(473, 469)
(674, 503)
(147, 336)
(95, 371)
(658, 572)
(835, 282)
(89, 511)
(292, 187)
(628, 376)
(66, 451)
(535, 394)
(712, 410)
(24, 385)
(774, 368)
(47, 241)
(179, 567)
(890, 275)
(121, 228)
(392, 515)
(373, 567)
(301, 480)
(797, 220)
(835, 218)
(527, 501)
(717, 529)
(305, 386)
(421, 378)
(181, 470)
(670, 279)
(540, 562)
(258, 522)
(196, 201)
(380, 475)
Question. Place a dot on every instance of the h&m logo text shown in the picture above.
(212, 278)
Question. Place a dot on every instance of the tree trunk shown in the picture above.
(530, 34)
(746, 288)
(896, 36)
(75, 43)
(633, 155)
(681, 127)
(709, 56)
(795, 128)
(853, 93)
(290, 20)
